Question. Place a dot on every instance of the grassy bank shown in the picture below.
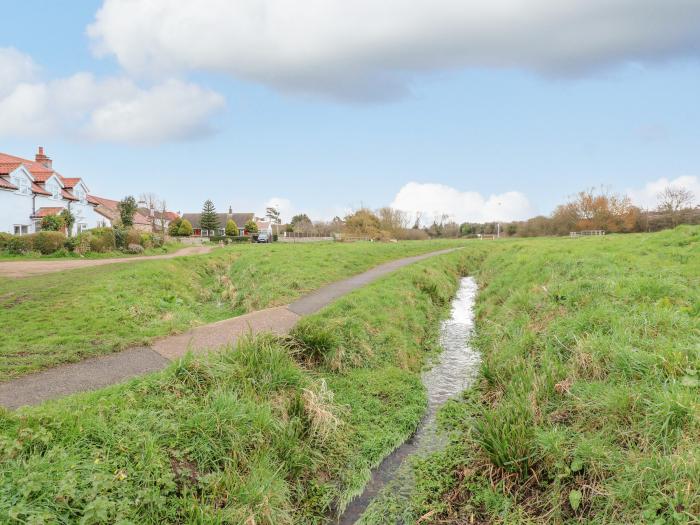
(275, 432)
(68, 316)
(588, 408)
(170, 247)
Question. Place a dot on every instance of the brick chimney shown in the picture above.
(43, 159)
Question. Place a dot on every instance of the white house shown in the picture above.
(32, 189)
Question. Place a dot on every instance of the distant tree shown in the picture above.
(185, 229)
(68, 220)
(209, 220)
(363, 222)
(52, 223)
(273, 214)
(231, 228)
(673, 200)
(174, 227)
(301, 223)
(251, 226)
(127, 209)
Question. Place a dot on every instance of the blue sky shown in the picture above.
(487, 125)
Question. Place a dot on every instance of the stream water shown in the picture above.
(389, 489)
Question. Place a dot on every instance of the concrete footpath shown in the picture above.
(98, 372)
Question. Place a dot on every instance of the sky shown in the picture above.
(483, 110)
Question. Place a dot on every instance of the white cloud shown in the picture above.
(369, 48)
(16, 68)
(648, 196)
(110, 109)
(433, 200)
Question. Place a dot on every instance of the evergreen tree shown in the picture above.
(209, 220)
(231, 228)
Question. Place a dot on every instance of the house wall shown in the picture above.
(86, 214)
(15, 209)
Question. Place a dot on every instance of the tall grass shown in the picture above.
(588, 408)
(275, 431)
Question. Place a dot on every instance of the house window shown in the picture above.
(197, 232)
(21, 229)
(80, 194)
(222, 232)
(23, 184)
(55, 190)
(81, 227)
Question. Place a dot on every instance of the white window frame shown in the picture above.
(20, 227)
(23, 185)
(81, 227)
(55, 189)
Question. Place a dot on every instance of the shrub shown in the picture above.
(135, 249)
(52, 223)
(251, 226)
(102, 240)
(219, 238)
(119, 236)
(185, 228)
(4, 239)
(70, 243)
(48, 242)
(83, 243)
(146, 240)
(157, 240)
(240, 239)
(133, 237)
(174, 227)
(231, 228)
(18, 245)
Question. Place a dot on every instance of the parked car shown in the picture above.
(263, 237)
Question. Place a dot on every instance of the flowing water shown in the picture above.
(389, 489)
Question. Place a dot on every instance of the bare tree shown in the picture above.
(673, 200)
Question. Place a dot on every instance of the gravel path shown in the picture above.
(29, 268)
(98, 372)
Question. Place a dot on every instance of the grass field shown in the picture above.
(276, 432)
(588, 410)
(67, 316)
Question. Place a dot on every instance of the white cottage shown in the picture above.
(31, 190)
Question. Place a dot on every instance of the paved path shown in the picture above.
(29, 268)
(98, 372)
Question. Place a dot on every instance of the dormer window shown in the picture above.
(81, 195)
(55, 189)
(23, 184)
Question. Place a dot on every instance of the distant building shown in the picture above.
(32, 189)
(239, 218)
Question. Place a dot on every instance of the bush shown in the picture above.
(135, 249)
(119, 236)
(133, 237)
(216, 239)
(146, 240)
(52, 223)
(157, 240)
(275, 237)
(70, 244)
(240, 239)
(4, 239)
(48, 242)
(102, 240)
(18, 245)
(83, 243)
(231, 228)
(174, 227)
(185, 229)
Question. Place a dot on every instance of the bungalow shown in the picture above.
(32, 189)
(239, 218)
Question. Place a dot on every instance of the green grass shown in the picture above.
(170, 247)
(67, 316)
(588, 407)
(277, 431)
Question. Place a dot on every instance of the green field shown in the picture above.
(587, 409)
(273, 432)
(67, 316)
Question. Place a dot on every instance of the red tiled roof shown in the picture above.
(38, 189)
(69, 196)
(70, 183)
(7, 184)
(45, 212)
(109, 203)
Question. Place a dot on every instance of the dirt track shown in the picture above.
(18, 269)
